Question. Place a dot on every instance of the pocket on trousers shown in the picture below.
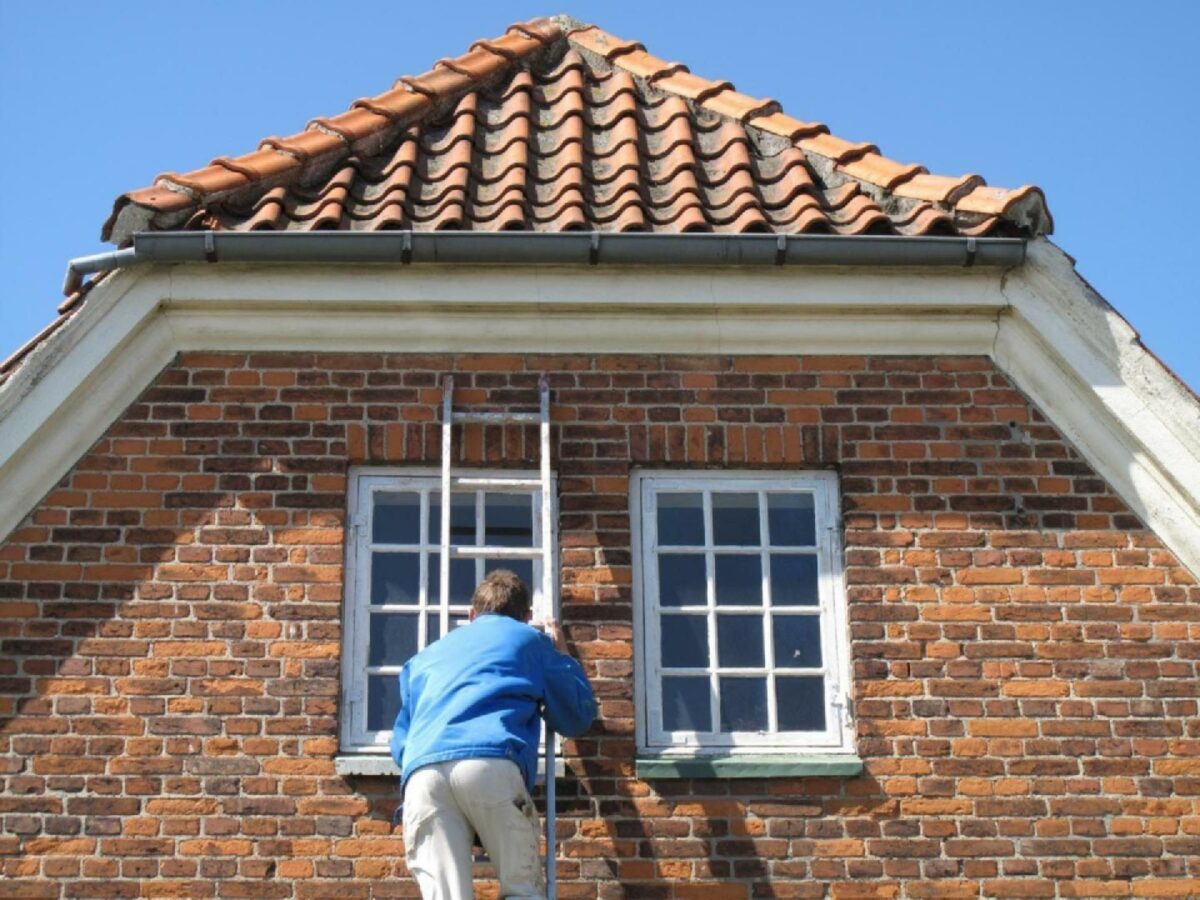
(416, 824)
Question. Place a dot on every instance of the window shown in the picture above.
(393, 595)
(742, 639)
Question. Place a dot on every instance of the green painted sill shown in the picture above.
(774, 766)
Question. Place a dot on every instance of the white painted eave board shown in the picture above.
(1062, 345)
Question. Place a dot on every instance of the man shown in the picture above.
(466, 740)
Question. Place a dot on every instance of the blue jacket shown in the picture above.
(478, 692)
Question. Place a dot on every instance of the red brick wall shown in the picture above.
(1025, 652)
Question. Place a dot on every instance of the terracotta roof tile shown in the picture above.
(555, 126)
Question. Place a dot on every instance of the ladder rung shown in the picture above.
(498, 418)
(496, 552)
(497, 481)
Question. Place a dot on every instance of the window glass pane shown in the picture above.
(396, 518)
(800, 703)
(791, 520)
(508, 520)
(680, 520)
(395, 577)
(681, 580)
(739, 641)
(462, 580)
(735, 519)
(462, 518)
(797, 641)
(684, 642)
(743, 704)
(739, 579)
(393, 639)
(794, 580)
(434, 625)
(686, 704)
(383, 701)
(522, 568)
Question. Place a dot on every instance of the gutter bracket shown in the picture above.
(594, 249)
(972, 249)
(406, 248)
(210, 247)
(780, 249)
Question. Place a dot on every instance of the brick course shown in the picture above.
(1025, 651)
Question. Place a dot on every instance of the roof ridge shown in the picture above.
(368, 125)
(968, 196)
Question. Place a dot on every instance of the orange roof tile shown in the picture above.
(557, 126)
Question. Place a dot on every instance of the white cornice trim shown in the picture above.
(1040, 324)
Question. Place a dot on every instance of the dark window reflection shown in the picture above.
(794, 579)
(684, 641)
(680, 520)
(395, 578)
(738, 579)
(396, 518)
(393, 639)
(743, 704)
(735, 519)
(800, 703)
(686, 704)
(383, 701)
(681, 580)
(791, 520)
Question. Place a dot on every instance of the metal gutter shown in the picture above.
(558, 248)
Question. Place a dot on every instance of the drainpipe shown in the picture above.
(559, 248)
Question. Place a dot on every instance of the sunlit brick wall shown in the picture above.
(1025, 652)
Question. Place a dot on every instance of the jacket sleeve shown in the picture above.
(400, 729)
(570, 705)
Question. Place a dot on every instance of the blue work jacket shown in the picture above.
(478, 692)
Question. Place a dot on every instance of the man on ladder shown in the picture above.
(466, 736)
(466, 740)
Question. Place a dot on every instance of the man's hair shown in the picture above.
(503, 593)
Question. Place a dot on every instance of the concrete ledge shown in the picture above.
(777, 766)
(366, 764)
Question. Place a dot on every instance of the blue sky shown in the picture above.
(1095, 102)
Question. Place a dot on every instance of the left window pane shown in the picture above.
(395, 578)
(383, 701)
(393, 639)
(397, 518)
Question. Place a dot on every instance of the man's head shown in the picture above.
(502, 593)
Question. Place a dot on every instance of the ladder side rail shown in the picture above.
(548, 598)
(444, 537)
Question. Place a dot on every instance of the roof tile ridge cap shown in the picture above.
(542, 32)
(345, 128)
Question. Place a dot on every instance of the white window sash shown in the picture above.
(831, 609)
(365, 482)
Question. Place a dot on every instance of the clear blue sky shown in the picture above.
(1096, 102)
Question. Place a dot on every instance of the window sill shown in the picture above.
(381, 764)
(761, 766)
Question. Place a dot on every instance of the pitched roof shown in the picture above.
(558, 126)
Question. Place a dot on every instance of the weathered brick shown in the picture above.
(1025, 653)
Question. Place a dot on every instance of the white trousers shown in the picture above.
(445, 804)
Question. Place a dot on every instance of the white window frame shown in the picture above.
(363, 483)
(651, 736)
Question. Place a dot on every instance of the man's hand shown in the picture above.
(555, 634)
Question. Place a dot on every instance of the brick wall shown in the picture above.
(1025, 652)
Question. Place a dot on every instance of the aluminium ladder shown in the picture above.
(545, 551)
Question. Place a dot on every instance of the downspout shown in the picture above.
(560, 248)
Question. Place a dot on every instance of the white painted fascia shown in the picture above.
(1130, 417)
(1039, 323)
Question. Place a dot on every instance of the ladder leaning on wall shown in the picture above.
(544, 550)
